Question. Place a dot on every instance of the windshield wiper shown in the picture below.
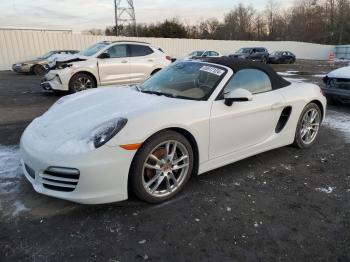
(158, 93)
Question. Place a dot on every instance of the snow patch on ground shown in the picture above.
(338, 121)
(327, 190)
(19, 208)
(288, 73)
(295, 80)
(319, 76)
(10, 169)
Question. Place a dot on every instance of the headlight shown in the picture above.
(105, 132)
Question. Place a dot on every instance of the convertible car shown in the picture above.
(192, 117)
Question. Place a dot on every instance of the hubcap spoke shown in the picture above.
(159, 181)
(156, 167)
(176, 167)
(173, 178)
(175, 162)
(154, 179)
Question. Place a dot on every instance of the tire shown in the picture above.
(152, 184)
(264, 60)
(38, 70)
(80, 82)
(310, 127)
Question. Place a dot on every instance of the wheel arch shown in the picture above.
(320, 105)
(155, 71)
(190, 138)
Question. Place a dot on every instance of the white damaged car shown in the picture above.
(190, 118)
(105, 63)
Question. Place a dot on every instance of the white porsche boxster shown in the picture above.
(190, 118)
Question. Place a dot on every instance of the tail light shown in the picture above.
(168, 58)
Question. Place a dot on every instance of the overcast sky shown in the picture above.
(84, 14)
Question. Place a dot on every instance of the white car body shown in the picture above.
(108, 71)
(222, 134)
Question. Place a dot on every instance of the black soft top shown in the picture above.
(238, 64)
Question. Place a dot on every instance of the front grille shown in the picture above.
(60, 179)
(30, 171)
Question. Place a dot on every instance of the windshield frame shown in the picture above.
(240, 51)
(207, 96)
(47, 55)
(104, 46)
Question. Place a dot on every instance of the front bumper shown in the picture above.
(19, 68)
(102, 173)
(54, 83)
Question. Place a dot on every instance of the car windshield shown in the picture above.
(244, 51)
(90, 51)
(185, 80)
(197, 53)
(276, 53)
(47, 55)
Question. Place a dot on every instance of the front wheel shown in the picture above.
(308, 126)
(39, 70)
(162, 167)
(81, 82)
(264, 60)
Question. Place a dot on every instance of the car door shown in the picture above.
(142, 62)
(245, 124)
(115, 68)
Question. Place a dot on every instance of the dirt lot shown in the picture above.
(283, 205)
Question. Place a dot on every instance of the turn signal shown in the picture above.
(131, 147)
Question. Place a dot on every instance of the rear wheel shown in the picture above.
(162, 167)
(308, 126)
(81, 82)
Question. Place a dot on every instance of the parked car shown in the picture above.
(38, 65)
(106, 63)
(337, 87)
(252, 53)
(190, 118)
(205, 53)
(281, 57)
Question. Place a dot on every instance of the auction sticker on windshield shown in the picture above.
(213, 70)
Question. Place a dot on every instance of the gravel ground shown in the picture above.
(283, 205)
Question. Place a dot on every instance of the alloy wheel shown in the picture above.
(310, 125)
(82, 83)
(165, 168)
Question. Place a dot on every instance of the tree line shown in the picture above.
(314, 21)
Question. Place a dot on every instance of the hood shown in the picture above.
(67, 125)
(343, 72)
(58, 60)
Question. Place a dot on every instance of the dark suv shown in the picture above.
(252, 53)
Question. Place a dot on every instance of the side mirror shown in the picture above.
(238, 95)
(104, 56)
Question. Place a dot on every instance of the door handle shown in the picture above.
(150, 60)
(124, 61)
(277, 105)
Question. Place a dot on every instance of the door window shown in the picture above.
(253, 80)
(117, 51)
(140, 50)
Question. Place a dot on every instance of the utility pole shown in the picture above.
(125, 17)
